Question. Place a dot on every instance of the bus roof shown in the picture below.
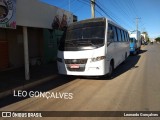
(101, 21)
(88, 23)
(116, 24)
(89, 20)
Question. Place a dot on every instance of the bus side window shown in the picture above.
(115, 34)
(125, 37)
(122, 35)
(110, 34)
(119, 35)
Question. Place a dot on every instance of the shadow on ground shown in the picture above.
(142, 51)
(56, 82)
(129, 64)
(14, 78)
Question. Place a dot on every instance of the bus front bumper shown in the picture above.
(92, 69)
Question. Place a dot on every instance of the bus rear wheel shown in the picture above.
(111, 68)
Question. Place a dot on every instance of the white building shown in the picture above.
(144, 36)
(26, 33)
(152, 39)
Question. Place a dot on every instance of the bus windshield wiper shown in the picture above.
(70, 42)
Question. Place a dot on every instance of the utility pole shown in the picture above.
(137, 23)
(93, 8)
(137, 33)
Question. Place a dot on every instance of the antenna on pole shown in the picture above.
(93, 8)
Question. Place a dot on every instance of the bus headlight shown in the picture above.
(97, 58)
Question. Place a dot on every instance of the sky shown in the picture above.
(123, 12)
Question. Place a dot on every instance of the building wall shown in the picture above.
(51, 40)
(35, 44)
(33, 13)
(15, 41)
(4, 57)
(11, 47)
(38, 18)
(12, 50)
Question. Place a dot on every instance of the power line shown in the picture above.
(135, 8)
(125, 8)
(121, 7)
(106, 13)
(126, 12)
(86, 2)
(109, 13)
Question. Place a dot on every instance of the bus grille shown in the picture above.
(75, 61)
(80, 62)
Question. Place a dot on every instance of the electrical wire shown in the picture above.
(111, 15)
(126, 10)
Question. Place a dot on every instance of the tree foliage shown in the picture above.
(157, 39)
(147, 37)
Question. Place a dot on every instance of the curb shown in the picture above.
(27, 86)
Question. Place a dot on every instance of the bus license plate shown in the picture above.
(74, 66)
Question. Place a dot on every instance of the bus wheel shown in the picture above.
(125, 58)
(110, 69)
(135, 52)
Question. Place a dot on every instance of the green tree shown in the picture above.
(157, 39)
(147, 37)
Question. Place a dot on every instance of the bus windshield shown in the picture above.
(132, 40)
(82, 38)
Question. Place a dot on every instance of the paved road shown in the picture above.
(135, 86)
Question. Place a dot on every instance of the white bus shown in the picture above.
(92, 47)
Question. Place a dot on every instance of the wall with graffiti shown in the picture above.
(34, 13)
(61, 20)
(8, 14)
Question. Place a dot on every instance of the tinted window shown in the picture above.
(77, 38)
(94, 32)
(122, 34)
(125, 37)
(119, 34)
(131, 40)
(109, 33)
(115, 33)
(85, 33)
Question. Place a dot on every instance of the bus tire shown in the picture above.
(125, 58)
(111, 68)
